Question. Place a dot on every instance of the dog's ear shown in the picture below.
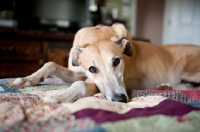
(75, 55)
(123, 44)
(122, 38)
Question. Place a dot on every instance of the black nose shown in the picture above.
(120, 98)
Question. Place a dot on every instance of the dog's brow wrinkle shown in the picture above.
(98, 51)
(94, 63)
(85, 45)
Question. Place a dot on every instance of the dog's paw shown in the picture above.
(60, 96)
(50, 99)
(164, 86)
(23, 82)
(53, 98)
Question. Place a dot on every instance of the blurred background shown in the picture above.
(33, 32)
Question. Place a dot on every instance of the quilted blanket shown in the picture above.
(148, 111)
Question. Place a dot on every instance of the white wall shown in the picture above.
(181, 22)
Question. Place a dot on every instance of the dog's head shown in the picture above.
(103, 59)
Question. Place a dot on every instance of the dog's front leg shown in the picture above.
(49, 69)
(76, 91)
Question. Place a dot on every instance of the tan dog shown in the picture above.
(106, 59)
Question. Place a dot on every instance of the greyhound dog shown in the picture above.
(105, 59)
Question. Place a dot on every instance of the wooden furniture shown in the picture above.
(22, 52)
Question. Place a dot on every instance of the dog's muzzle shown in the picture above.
(120, 98)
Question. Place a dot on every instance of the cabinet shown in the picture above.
(24, 52)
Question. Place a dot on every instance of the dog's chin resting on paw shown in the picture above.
(105, 59)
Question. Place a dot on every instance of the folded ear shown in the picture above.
(122, 38)
(75, 55)
(123, 44)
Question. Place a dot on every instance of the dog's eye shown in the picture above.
(116, 62)
(92, 69)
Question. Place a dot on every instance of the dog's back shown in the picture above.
(153, 65)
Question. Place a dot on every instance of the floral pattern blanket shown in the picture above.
(148, 111)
